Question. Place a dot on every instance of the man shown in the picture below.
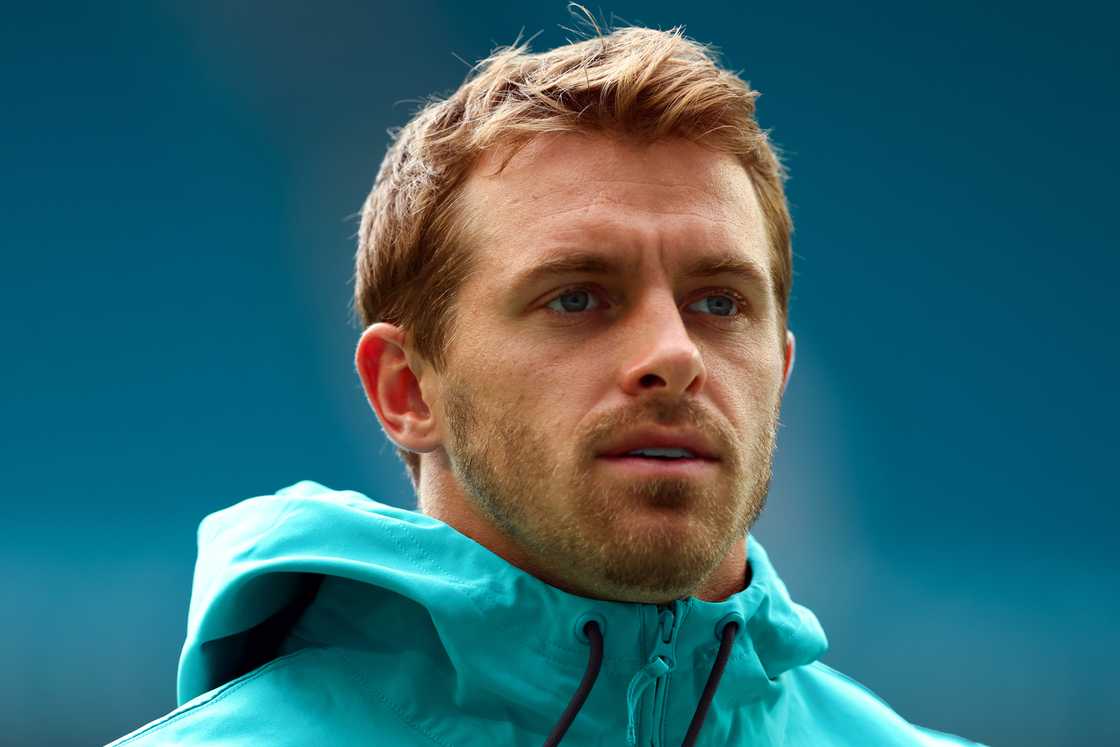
(574, 275)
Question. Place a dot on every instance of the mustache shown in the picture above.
(669, 413)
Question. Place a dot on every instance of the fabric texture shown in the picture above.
(322, 617)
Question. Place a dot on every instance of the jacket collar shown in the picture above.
(503, 630)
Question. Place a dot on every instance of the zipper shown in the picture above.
(668, 625)
(659, 664)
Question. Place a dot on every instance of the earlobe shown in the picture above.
(393, 389)
(790, 355)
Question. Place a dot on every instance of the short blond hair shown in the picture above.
(413, 242)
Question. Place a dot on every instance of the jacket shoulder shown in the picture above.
(849, 707)
(290, 701)
(217, 716)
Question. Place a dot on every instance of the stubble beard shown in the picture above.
(579, 529)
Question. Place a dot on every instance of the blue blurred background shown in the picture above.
(178, 188)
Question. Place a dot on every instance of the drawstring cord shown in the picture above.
(729, 632)
(642, 680)
(595, 637)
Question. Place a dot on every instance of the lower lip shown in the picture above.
(639, 466)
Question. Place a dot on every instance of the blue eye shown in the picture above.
(573, 301)
(725, 305)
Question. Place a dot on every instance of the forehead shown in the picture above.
(615, 195)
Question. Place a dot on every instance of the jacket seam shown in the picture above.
(278, 663)
(859, 685)
(223, 692)
(392, 706)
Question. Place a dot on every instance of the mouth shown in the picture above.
(651, 451)
(660, 466)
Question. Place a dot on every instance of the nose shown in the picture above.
(661, 357)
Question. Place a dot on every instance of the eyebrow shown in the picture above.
(595, 263)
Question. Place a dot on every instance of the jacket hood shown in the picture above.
(257, 560)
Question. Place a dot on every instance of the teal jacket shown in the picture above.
(321, 617)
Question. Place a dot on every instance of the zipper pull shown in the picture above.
(646, 676)
(666, 639)
(659, 663)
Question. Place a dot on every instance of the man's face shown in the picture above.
(550, 374)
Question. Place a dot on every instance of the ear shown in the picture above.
(791, 350)
(393, 388)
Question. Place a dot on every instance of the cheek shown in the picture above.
(521, 386)
(749, 376)
(550, 395)
(553, 397)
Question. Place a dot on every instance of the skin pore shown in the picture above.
(545, 372)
